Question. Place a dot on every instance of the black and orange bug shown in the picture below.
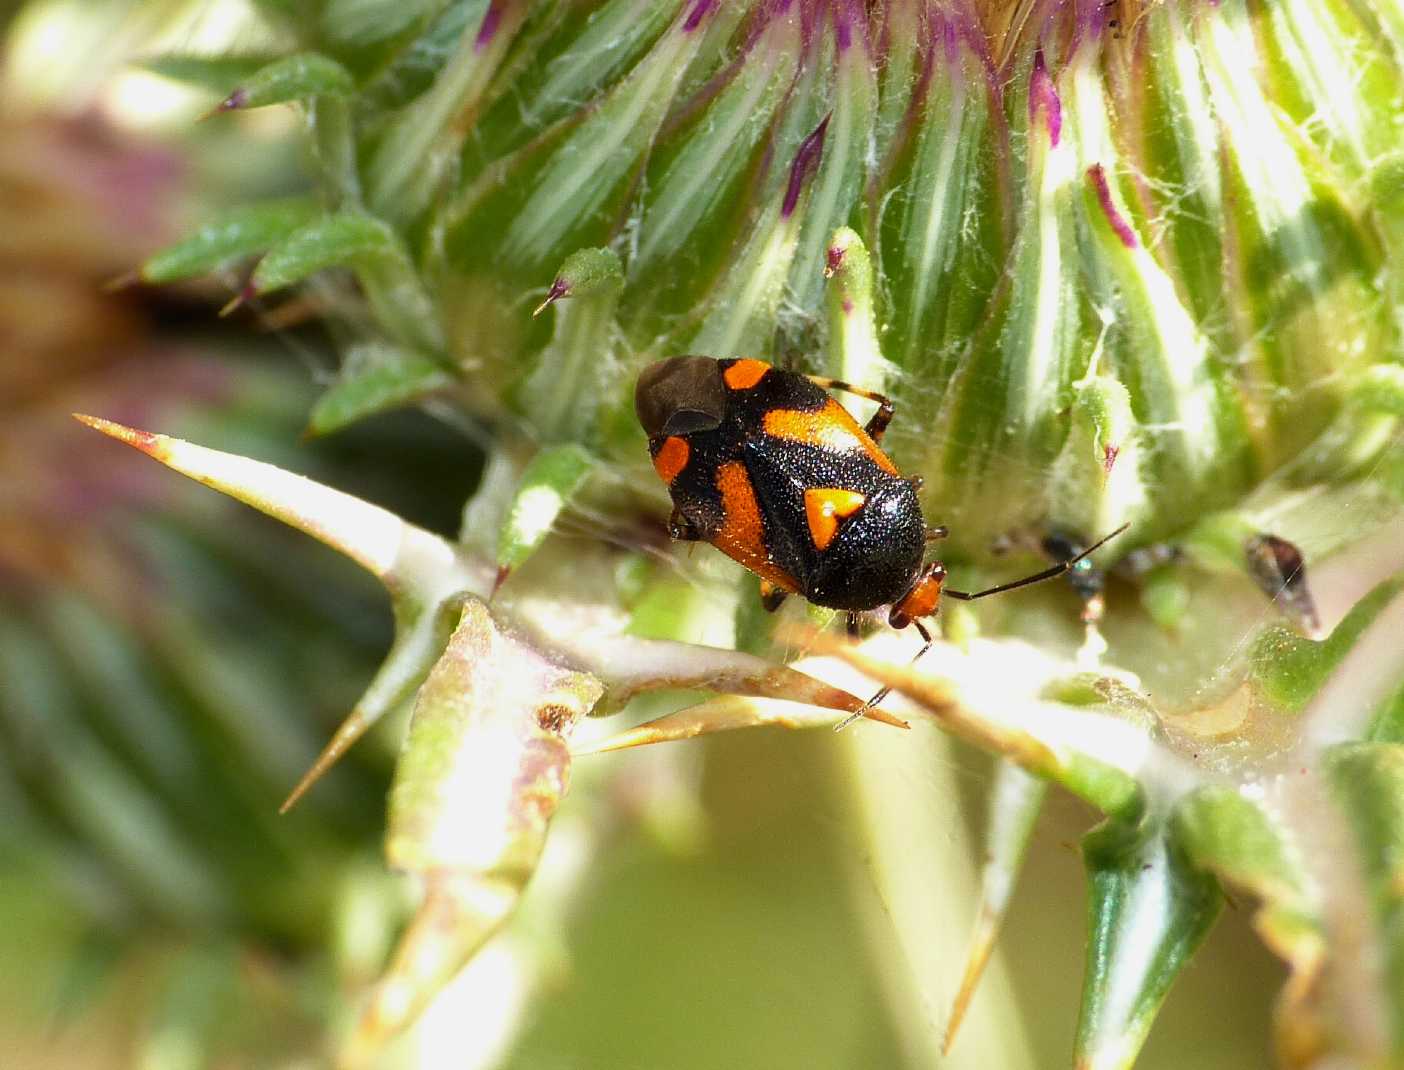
(767, 467)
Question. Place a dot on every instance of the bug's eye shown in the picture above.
(680, 395)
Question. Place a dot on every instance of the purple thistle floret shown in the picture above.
(1043, 97)
(807, 158)
(697, 14)
(492, 19)
(1097, 175)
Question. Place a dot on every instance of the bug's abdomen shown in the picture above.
(876, 556)
(850, 532)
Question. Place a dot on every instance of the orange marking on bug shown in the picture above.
(672, 458)
(745, 374)
(741, 536)
(824, 507)
(832, 428)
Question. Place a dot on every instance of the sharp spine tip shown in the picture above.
(559, 289)
(142, 440)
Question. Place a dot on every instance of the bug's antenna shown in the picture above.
(966, 596)
(1037, 577)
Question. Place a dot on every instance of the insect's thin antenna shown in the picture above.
(926, 642)
(1037, 577)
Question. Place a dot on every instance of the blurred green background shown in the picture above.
(169, 662)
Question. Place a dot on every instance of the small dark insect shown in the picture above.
(1280, 572)
(776, 474)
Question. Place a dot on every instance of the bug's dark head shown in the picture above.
(679, 396)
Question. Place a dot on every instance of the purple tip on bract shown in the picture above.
(1097, 175)
(492, 19)
(697, 14)
(833, 260)
(1109, 455)
(560, 288)
(232, 102)
(1043, 97)
(806, 163)
(245, 295)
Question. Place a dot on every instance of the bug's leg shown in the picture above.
(771, 596)
(926, 642)
(681, 529)
(940, 531)
(880, 419)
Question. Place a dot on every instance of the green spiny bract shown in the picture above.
(1116, 262)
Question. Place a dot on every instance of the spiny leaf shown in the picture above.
(593, 160)
(584, 272)
(1149, 911)
(382, 264)
(1225, 833)
(362, 22)
(422, 138)
(331, 134)
(238, 233)
(855, 354)
(608, 42)
(630, 666)
(1015, 803)
(1292, 671)
(838, 179)
(742, 313)
(394, 551)
(1096, 754)
(941, 237)
(375, 378)
(728, 713)
(691, 185)
(484, 766)
(331, 241)
(1097, 483)
(550, 481)
(563, 393)
(218, 72)
(418, 641)
(299, 77)
(423, 573)
(1368, 779)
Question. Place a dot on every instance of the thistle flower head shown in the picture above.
(1117, 263)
